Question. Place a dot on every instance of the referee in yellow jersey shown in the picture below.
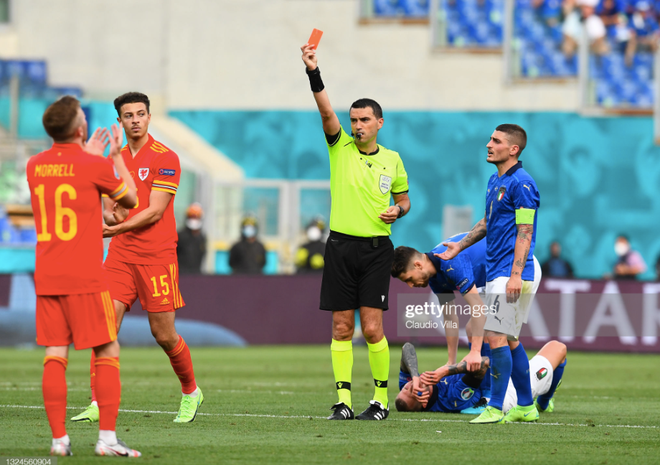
(359, 253)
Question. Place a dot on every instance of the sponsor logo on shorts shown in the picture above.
(541, 373)
(165, 301)
(143, 173)
(467, 393)
(164, 172)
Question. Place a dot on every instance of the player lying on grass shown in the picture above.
(466, 273)
(452, 388)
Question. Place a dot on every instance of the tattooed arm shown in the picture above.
(434, 377)
(409, 365)
(477, 233)
(409, 360)
(520, 253)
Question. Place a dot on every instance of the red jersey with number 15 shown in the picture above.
(154, 168)
(65, 190)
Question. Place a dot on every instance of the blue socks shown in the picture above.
(485, 352)
(544, 399)
(500, 366)
(520, 376)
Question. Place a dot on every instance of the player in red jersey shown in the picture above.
(142, 261)
(73, 302)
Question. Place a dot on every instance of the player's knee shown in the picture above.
(342, 331)
(373, 333)
(561, 349)
(165, 339)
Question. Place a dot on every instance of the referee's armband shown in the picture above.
(525, 216)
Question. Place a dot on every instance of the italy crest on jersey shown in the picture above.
(500, 194)
(143, 173)
(385, 183)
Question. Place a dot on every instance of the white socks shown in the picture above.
(108, 436)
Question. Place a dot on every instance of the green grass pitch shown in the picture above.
(267, 405)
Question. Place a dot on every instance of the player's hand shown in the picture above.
(97, 144)
(110, 231)
(453, 249)
(421, 392)
(431, 377)
(390, 215)
(513, 289)
(116, 140)
(472, 361)
(120, 213)
(309, 56)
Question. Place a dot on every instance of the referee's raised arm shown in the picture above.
(331, 124)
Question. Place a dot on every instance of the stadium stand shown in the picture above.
(538, 37)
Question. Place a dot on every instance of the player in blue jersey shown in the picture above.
(509, 226)
(452, 388)
(465, 273)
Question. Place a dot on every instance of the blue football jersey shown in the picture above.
(515, 189)
(451, 395)
(460, 273)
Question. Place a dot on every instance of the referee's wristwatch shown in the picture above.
(401, 211)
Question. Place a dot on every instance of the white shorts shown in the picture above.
(509, 318)
(540, 377)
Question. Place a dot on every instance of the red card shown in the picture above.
(315, 38)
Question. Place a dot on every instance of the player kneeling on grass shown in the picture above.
(452, 388)
(73, 302)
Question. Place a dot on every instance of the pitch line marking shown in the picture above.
(256, 415)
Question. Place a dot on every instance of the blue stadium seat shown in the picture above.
(415, 8)
(28, 236)
(8, 233)
(387, 8)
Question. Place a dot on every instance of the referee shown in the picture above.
(358, 254)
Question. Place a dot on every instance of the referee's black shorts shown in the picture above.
(356, 272)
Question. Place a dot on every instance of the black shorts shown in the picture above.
(356, 272)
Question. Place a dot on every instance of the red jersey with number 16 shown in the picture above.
(65, 190)
(154, 168)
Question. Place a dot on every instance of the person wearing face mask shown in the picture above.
(309, 257)
(630, 263)
(248, 255)
(191, 247)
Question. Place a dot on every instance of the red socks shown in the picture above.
(54, 391)
(183, 367)
(108, 391)
(92, 375)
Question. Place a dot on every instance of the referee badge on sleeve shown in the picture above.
(385, 183)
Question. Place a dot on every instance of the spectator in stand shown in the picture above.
(248, 255)
(630, 263)
(310, 255)
(549, 11)
(612, 13)
(572, 29)
(555, 266)
(191, 247)
(644, 29)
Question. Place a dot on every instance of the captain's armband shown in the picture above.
(525, 216)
